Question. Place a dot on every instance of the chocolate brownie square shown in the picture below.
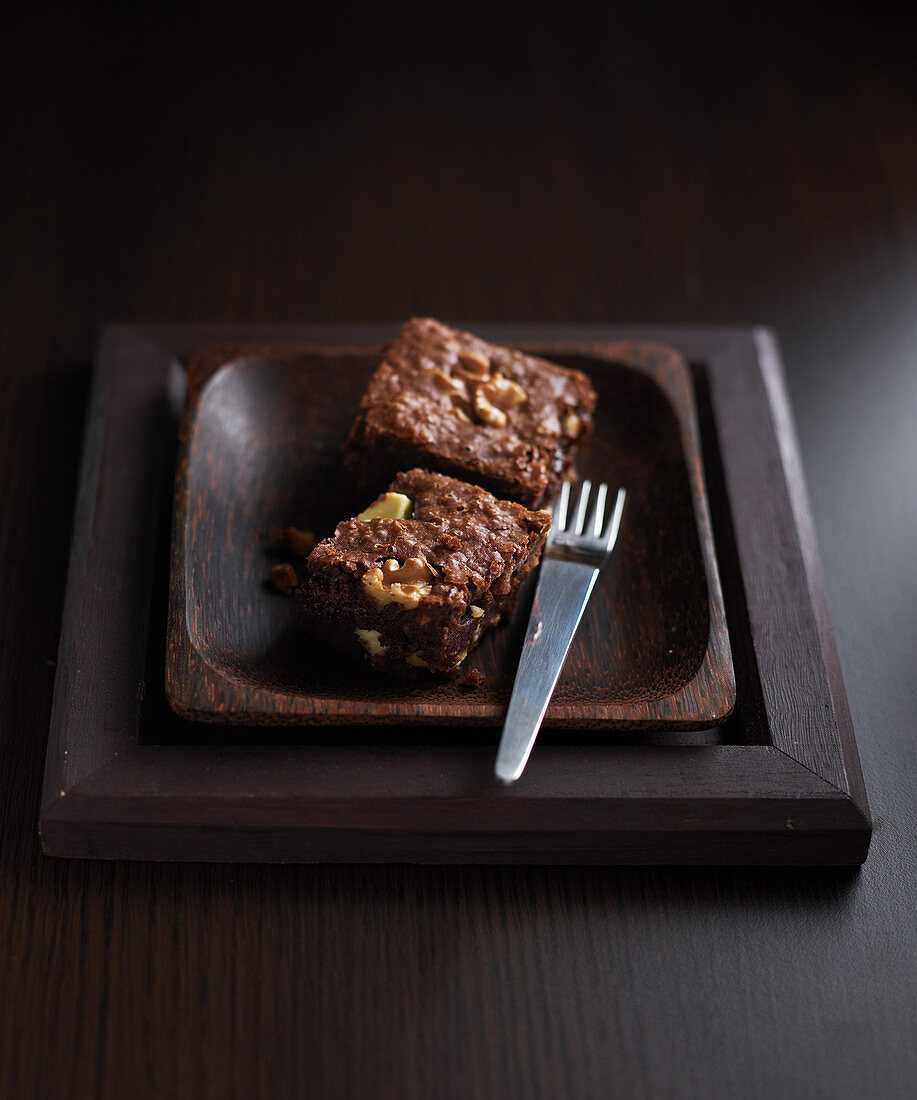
(415, 580)
(489, 415)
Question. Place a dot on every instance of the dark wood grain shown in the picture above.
(545, 163)
(261, 447)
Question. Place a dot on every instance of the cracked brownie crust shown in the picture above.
(449, 401)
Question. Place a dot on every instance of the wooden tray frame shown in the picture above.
(786, 789)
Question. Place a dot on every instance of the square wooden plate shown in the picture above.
(779, 782)
(260, 445)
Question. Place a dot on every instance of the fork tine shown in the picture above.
(599, 517)
(615, 523)
(580, 520)
(560, 513)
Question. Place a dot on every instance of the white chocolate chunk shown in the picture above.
(370, 639)
(570, 424)
(388, 506)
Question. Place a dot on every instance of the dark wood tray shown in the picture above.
(260, 445)
(779, 782)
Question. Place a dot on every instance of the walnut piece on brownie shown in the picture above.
(451, 402)
(415, 585)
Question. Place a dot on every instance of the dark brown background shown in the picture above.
(535, 162)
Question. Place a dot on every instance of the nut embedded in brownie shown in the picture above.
(415, 580)
(486, 414)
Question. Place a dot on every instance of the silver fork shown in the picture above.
(572, 562)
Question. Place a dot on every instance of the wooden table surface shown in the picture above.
(541, 163)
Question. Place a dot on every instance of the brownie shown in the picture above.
(490, 415)
(415, 581)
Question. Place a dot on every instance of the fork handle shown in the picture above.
(564, 588)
